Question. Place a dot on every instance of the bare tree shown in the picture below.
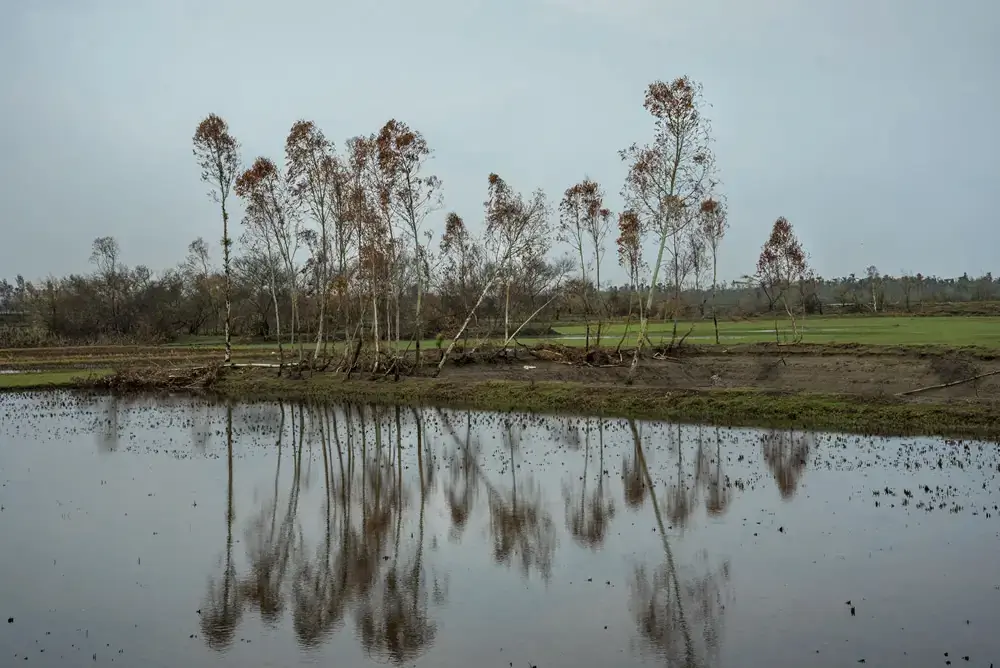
(572, 212)
(713, 224)
(629, 244)
(462, 263)
(907, 283)
(667, 176)
(105, 255)
(269, 215)
(312, 171)
(402, 155)
(515, 228)
(584, 219)
(697, 264)
(371, 230)
(782, 264)
(875, 286)
(218, 156)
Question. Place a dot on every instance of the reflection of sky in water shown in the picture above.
(115, 535)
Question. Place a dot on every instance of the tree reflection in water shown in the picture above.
(587, 521)
(679, 618)
(786, 453)
(270, 544)
(223, 606)
(395, 620)
(370, 569)
(463, 482)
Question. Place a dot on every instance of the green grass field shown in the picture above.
(889, 330)
(875, 330)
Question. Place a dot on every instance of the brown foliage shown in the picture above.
(217, 153)
(455, 232)
(260, 186)
(400, 154)
(675, 169)
(516, 225)
(712, 220)
(312, 168)
(782, 260)
(629, 241)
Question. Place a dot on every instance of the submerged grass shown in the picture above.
(739, 408)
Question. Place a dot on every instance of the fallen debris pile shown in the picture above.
(141, 378)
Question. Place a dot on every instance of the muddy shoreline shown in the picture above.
(886, 390)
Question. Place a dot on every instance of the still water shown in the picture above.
(181, 532)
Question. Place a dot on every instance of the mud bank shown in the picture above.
(887, 390)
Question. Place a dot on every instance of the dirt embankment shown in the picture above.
(865, 371)
(848, 369)
(861, 389)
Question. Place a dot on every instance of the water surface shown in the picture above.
(170, 532)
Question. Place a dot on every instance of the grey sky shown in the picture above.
(870, 124)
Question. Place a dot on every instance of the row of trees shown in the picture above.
(360, 214)
(336, 245)
(121, 302)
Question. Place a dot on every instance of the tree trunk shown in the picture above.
(375, 327)
(468, 318)
(677, 288)
(506, 312)
(597, 290)
(644, 315)
(530, 318)
(788, 310)
(628, 321)
(277, 325)
(715, 282)
(227, 270)
(321, 291)
(417, 322)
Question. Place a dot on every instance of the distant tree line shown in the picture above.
(117, 302)
(335, 245)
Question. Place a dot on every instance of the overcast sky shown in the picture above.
(870, 124)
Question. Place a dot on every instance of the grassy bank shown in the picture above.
(748, 408)
(67, 378)
(850, 387)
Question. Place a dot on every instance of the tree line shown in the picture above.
(336, 245)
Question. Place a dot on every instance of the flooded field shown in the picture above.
(178, 532)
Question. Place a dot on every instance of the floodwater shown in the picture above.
(180, 532)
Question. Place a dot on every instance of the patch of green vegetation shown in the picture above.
(740, 408)
(888, 330)
(875, 330)
(48, 379)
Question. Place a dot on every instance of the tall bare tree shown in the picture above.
(269, 219)
(584, 220)
(218, 154)
(106, 256)
(667, 176)
(875, 286)
(402, 156)
(312, 172)
(629, 244)
(713, 225)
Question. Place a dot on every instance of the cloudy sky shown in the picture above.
(870, 124)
